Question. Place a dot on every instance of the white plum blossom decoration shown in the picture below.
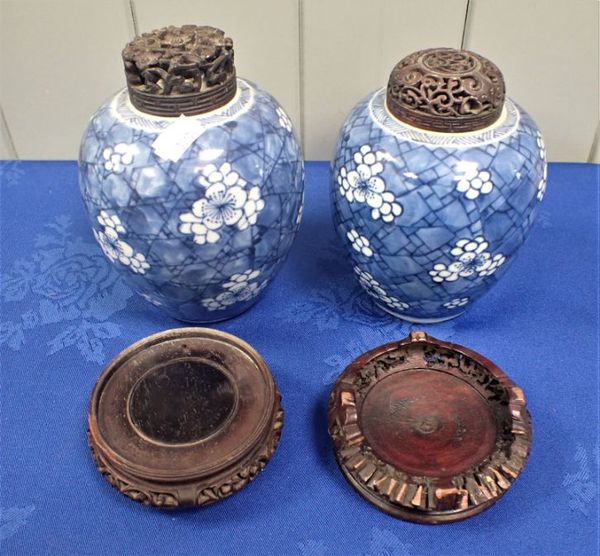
(151, 298)
(224, 174)
(367, 281)
(239, 287)
(254, 204)
(490, 265)
(471, 257)
(135, 261)
(222, 206)
(115, 248)
(222, 301)
(541, 146)
(112, 224)
(394, 302)
(456, 303)
(364, 185)
(117, 157)
(541, 190)
(108, 246)
(374, 289)
(227, 201)
(473, 182)
(366, 156)
(388, 210)
(238, 282)
(284, 119)
(359, 243)
(441, 272)
(109, 236)
(300, 211)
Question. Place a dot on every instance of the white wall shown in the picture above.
(59, 59)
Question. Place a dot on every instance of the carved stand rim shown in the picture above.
(425, 499)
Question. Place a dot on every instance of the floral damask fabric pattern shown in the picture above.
(64, 283)
(382, 542)
(331, 306)
(11, 171)
(12, 519)
(66, 313)
(580, 483)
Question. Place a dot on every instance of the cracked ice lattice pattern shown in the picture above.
(229, 205)
(443, 215)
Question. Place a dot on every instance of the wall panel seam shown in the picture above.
(594, 146)
(8, 135)
(301, 76)
(463, 35)
(134, 20)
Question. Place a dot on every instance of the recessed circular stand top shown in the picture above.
(184, 418)
(428, 431)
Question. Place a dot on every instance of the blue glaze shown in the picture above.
(430, 221)
(203, 235)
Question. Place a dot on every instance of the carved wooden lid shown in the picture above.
(447, 90)
(180, 70)
(428, 431)
(184, 418)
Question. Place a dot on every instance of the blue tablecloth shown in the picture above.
(65, 314)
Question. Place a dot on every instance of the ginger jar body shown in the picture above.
(431, 212)
(197, 212)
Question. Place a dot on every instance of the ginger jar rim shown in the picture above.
(122, 109)
(505, 126)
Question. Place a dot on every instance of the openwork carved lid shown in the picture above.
(447, 90)
(183, 418)
(180, 70)
(428, 431)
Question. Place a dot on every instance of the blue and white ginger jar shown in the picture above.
(197, 213)
(435, 184)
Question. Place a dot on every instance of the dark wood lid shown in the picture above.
(428, 431)
(184, 417)
(446, 90)
(180, 70)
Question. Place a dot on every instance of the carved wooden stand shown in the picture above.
(184, 418)
(428, 431)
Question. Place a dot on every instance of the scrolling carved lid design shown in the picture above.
(447, 90)
(180, 70)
